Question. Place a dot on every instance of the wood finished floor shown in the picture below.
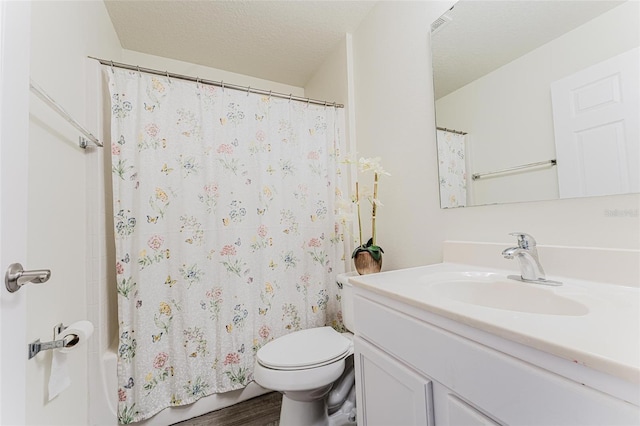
(263, 410)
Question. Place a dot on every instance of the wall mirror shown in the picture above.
(536, 100)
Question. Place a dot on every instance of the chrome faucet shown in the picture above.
(527, 255)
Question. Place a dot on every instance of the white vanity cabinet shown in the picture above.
(391, 393)
(415, 367)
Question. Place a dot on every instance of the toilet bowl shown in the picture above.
(305, 365)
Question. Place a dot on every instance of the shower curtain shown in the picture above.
(452, 169)
(226, 233)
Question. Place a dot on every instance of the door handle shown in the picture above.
(16, 277)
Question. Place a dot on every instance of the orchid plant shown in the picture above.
(366, 165)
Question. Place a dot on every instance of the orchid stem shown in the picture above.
(373, 209)
(359, 221)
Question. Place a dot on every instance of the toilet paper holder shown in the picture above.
(67, 342)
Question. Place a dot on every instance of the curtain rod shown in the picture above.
(64, 114)
(222, 84)
(444, 129)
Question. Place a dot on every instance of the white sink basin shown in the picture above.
(498, 292)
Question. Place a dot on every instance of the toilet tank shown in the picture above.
(346, 299)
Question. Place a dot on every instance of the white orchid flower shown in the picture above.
(368, 164)
(372, 164)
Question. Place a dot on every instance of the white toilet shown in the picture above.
(306, 365)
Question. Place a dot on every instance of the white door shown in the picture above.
(14, 125)
(595, 114)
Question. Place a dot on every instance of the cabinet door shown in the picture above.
(451, 410)
(389, 392)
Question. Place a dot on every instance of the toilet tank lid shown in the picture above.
(305, 348)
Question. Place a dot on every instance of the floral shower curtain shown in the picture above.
(452, 169)
(226, 233)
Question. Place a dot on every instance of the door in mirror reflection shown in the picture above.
(596, 128)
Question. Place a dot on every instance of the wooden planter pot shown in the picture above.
(366, 264)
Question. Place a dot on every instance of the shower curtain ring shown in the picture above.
(138, 68)
(308, 99)
(335, 105)
(325, 104)
(222, 84)
(198, 82)
(269, 95)
(112, 66)
(248, 90)
(290, 95)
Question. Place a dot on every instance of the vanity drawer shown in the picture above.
(508, 389)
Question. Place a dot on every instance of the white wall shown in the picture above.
(395, 120)
(508, 112)
(62, 35)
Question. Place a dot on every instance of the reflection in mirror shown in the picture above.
(536, 100)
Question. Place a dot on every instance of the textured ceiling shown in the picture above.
(282, 41)
(489, 34)
(287, 41)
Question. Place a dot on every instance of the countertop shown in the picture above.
(605, 338)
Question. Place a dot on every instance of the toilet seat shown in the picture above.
(305, 349)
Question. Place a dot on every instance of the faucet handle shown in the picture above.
(525, 241)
